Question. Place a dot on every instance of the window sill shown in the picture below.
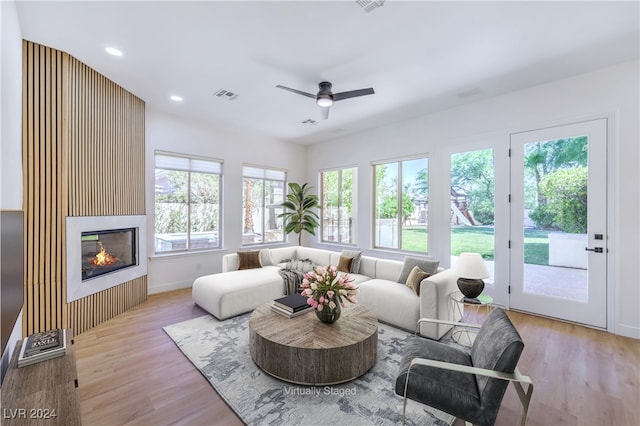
(177, 254)
(265, 245)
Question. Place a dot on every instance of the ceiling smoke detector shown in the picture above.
(369, 5)
(225, 94)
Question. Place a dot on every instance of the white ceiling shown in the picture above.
(418, 56)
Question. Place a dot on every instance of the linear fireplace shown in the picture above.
(104, 251)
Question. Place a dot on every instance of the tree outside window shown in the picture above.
(187, 203)
(263, 190)
(472, 203)
(337, 200)
(401, 205)
(556, 184)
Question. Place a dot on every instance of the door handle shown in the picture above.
(595, 249)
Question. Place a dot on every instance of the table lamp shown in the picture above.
(471, 269)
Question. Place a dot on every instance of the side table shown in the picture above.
(45, 393)
(468, 312)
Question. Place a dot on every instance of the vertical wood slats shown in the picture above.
(106, 148)
(83, 155)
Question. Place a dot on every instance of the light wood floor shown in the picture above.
(130, 372)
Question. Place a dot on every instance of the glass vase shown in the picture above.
(329, 315)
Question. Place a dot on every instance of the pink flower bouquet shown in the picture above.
(325, 288)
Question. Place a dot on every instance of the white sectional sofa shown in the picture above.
(233, 292)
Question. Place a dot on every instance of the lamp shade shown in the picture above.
(471, 265)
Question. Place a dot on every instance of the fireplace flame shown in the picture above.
(103, 258)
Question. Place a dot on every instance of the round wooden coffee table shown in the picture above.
(303, 350)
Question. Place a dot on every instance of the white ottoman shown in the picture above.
(232, 293)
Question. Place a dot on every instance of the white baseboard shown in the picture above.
(628, 331)
(168, 287)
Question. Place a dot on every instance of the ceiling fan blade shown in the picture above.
(352, 94)
(309, 95)
(324, 112)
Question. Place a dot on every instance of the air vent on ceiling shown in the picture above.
(225, 94)
(369, 5)
(309, 122)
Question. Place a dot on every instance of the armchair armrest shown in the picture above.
(516, 378)
(445, 322)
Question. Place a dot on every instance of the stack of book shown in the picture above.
(291, 306)
(42, 346)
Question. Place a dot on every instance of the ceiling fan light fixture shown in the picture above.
(325, 97)
(324, 101)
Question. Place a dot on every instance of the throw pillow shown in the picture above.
(415, 278)
(427, 264)
(249, 259)
(265, 257)
(344, 264)
(357, 258)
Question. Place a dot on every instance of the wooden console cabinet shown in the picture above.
(45, 393)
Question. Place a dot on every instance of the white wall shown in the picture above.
(11, 109)
(611, 92)
(10, 128)
(235, 147)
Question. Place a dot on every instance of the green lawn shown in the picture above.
(414, 238)
(479, 239)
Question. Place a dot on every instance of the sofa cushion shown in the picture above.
(265, 257)
(318, 256)
(344, 264)
(387, 269)
(391, 302)
(249, 259)
(282, 254)
(357, 258)
(236, 292)
(357, 278)
(427, 264)
(415, 278)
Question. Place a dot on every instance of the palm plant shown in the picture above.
(300, 215)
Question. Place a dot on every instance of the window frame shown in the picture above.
(354, 169)
(266, 170)
(399, 186)
(191, 159)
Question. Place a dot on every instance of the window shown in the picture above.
(338, 207)
(473, 204)
(263, 191)
(187, 203)
(401, 192)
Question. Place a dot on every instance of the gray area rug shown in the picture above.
(220, 351)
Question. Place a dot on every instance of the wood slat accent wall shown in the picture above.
(83, 155)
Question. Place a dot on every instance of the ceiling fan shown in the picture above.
(325, 97)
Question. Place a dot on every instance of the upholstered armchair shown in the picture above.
(468, 384)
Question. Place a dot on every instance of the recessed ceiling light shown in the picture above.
(175, 98)
(113, 51)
